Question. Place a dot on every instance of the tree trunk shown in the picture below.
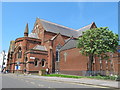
(90, 64)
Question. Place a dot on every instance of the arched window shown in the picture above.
(57, 55)
(57, 52)
(36, 62)
(43, 62)
(19, 53)
(26, 59)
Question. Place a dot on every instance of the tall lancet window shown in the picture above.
(19, 53)
(57, 52)
(36, 62)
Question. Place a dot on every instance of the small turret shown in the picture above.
(26, 31)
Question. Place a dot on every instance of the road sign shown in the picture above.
(32, 57)
(17, 67)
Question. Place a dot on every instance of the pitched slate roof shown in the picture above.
(55, 28)
(39, 47)
(72, 43)
(84, 29)
(63, 30)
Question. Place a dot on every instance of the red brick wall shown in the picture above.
(50, 58)
(25, 43)
(77, 62)
(111, 65)
(52, 53)
(32, 67)
(74, 61)
(38, 28)
(59, 40)
(115, 61)
(48, 35)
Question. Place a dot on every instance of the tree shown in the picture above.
(97, 42)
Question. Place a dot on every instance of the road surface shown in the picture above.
(14, 81)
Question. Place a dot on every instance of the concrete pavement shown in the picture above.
(87, 81)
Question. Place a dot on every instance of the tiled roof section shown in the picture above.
(70, 44)
(39, 47)
(84, 29)
(55, 28)
(33, 35)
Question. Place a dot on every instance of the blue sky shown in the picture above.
(15, 15)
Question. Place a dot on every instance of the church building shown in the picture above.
(53, 46)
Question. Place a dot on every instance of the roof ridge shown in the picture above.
(58, 24)
(84, 26)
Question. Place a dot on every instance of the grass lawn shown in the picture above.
(66, 76)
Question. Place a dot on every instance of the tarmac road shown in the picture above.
(14, 81)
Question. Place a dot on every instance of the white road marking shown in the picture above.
(49, 87)
(89, 85)
(40, 85)
(32, 82)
